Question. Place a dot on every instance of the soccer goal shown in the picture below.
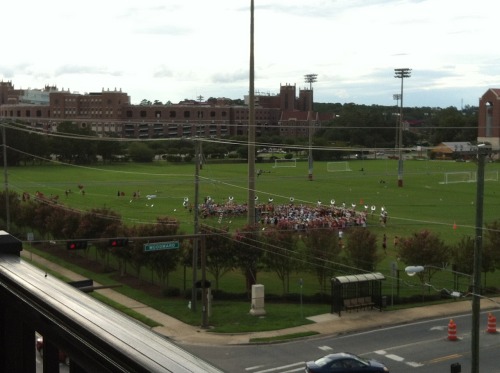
(491, 176)
(488, 176)
(281, 162)
(459, 177)
(337, 166)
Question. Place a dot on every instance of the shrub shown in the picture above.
(172, 291)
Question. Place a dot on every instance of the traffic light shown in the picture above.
(76, 245)
(118, 242)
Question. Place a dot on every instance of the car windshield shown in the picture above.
(323, 361)
(366, 362)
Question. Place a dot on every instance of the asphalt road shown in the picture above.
(422, 347)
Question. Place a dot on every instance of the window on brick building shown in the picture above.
(212, 114)
(172, 114)
(187, 114)
(143, 114)
(129, 114)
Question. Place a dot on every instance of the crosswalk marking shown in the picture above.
(414, 365)
(395, 357)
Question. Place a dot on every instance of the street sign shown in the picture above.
(157, 246)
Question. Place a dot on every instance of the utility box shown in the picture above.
(257, 307)
(455, 368)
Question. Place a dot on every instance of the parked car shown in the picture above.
(344, 362)
(63, 358)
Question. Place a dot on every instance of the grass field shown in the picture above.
(424, 202)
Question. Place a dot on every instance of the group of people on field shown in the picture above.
(292, 215)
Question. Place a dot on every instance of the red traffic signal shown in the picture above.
(76, 245)
(118, 242)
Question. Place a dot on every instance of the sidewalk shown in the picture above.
(327, 324)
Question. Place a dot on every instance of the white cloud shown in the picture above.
(181, 49)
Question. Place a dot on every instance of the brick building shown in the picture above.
(489, 118)
(110, 112)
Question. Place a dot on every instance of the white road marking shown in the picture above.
(283, 367)
(394, 357)
(414, 365)
(325, 348)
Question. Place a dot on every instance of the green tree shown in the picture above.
(322, 248)
(361, 248)
(220, 257)
(248, 248)
(141, 152)
(490, 256)
(100, 223)
(281, 252)
(109, 148)
(73, 143)
(424, 248)
(462, 256)
(164, 262)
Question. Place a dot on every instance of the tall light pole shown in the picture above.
(401, 74)
(397, 97)
(310, 78)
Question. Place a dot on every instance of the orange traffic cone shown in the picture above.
(492, 324)
(452, 330)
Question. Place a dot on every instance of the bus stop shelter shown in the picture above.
(357, 292)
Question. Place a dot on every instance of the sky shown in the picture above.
(171, 50)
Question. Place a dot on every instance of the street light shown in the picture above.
(413, 270)
(397, 97)
(401, 74)
(310, 78)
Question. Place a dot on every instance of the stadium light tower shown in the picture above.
(310, 78)
(397, 97)
(401, 74)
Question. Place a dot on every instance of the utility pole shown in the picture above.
(204, 290)
(310, 78)
(194, 290)
(482, 150)
(251, 126)
(401, 74)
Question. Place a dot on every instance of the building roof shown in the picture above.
(375, 276)
(451, 147)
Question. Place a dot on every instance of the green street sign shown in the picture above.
(157, 246)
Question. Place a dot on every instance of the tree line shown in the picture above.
(354, 126)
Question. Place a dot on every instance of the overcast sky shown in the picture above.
(177, 49)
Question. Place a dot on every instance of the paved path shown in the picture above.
(327, 324)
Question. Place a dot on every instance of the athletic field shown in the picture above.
(436, 195)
